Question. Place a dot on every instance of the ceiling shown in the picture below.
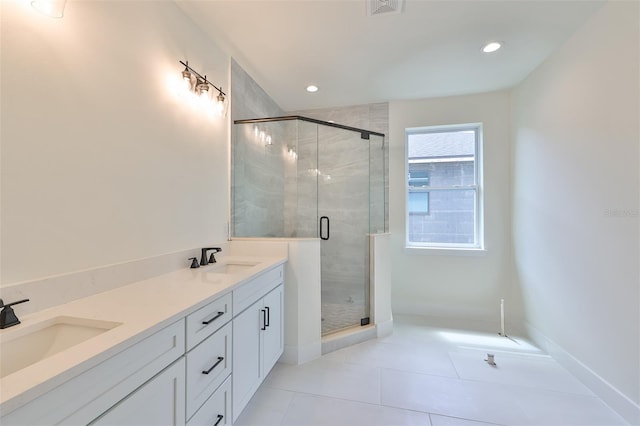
(430, 49)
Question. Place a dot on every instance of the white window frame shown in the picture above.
(478, 246)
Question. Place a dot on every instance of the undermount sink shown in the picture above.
(232, 267)
(26, 346)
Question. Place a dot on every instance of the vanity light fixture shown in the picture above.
(491, 47)
(51, 8)
(199, 84)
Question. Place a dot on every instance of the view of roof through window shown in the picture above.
(442, 144)
(441, 187)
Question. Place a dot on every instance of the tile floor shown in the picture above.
(430, 375)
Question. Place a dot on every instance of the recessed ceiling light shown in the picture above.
(491, 47)
(312, 88)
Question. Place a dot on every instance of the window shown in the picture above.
(444, 197)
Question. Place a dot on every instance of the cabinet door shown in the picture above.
(246, 356)
(273, 336)
(161, 401)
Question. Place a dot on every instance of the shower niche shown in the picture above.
(297, 177)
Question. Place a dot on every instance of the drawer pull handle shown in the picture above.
(214, 318)
(268, 315)
(264, 319)
(220, 359)
(220, 417)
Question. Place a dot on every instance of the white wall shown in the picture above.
(453, 285)
(576, 197)
(101, 162)
(302, 311)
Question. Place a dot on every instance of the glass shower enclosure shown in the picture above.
(297, 177)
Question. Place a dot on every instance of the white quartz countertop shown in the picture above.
(142, 308)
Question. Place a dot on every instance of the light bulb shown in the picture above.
(51, 8)
(186, 79)
(220, 104)
(491, 47)
(203, 89)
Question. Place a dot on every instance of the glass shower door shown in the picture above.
(343, 191)
(299, 178)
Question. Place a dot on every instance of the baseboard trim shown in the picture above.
(295, 355)
(618, 401)
(384, 329)
(348, 337)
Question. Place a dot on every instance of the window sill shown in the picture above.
(444, 251)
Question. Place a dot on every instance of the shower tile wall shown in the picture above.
(291, 181)
(259, 180)
(248, 99)
(306, 217)
(374, 117)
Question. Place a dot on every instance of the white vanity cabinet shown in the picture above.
(257, 345)
(201, 369)
(85, 397)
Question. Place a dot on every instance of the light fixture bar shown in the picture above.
(203, 78)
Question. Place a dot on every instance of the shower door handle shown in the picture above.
(328, 228)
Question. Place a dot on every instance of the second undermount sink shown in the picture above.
(232, 267)
(25, 346)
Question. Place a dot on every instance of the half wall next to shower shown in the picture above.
(295, 177)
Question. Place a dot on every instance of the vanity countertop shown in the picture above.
(142, 308)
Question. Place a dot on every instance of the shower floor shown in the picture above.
(338, 316)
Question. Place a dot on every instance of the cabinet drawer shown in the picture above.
(208, 365)
(245, 295)
(216, 410)
(208, 319)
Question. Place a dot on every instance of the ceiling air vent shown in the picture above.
(382, 7)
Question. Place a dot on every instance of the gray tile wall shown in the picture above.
(259, 172)
(374, 117)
